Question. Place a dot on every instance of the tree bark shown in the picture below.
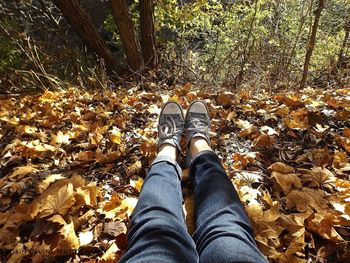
(148, 42)
(246, 50)
(311, 44)
(345, 42)
(127, 34)
(82, 24)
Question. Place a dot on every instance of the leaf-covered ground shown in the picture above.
(72, 162)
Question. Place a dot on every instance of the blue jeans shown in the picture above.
(158, 233)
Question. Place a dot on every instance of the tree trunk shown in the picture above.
(345, 42)
(311, 44)
(246, 49)
(148, 42)
(127, 34)
(83, 25)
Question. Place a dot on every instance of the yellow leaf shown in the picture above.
(137, 184)
(47, 181)
(59, 203)
(26, 129)
(127, 206)
(115, 135)
(60, 138)
(242, 124)
(48, 96)
(111, 254)
(22, 171)
(153, 109)
(87, 195)
(17, 257)
(68, 241)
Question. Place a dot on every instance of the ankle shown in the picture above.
(198, 145)
(168, 150)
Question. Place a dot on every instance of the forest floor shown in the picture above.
(72, 163)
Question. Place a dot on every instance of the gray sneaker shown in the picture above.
(197, 121)
(170, 125)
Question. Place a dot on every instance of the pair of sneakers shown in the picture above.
(172, 123)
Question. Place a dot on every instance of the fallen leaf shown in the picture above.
(21, 171)
(281, 168)
(60, 138)
(286, 181)
(59, 203)
(111, 254)
(115, 135)
(85, 238)
(307, 200)
(137, 184)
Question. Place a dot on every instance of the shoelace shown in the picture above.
(198, 126)
(168, 129)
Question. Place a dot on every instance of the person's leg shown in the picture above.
(223, 231)
(157, 231)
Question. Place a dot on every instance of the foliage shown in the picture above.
(9, 51)
(265, 39)
(72, 164)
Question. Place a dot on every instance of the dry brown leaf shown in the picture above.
(307, 200)
(317, 177)
(242, 161)
(44, 229)
(341, 162)
(343, 141)
(287, 181)
(114, 228)
(113, 203)
(134, 168)
(322, 224)
(263, 140)
(281, 168)
(320, 157)
(225, 98)
(86, 156)
(81, 220)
